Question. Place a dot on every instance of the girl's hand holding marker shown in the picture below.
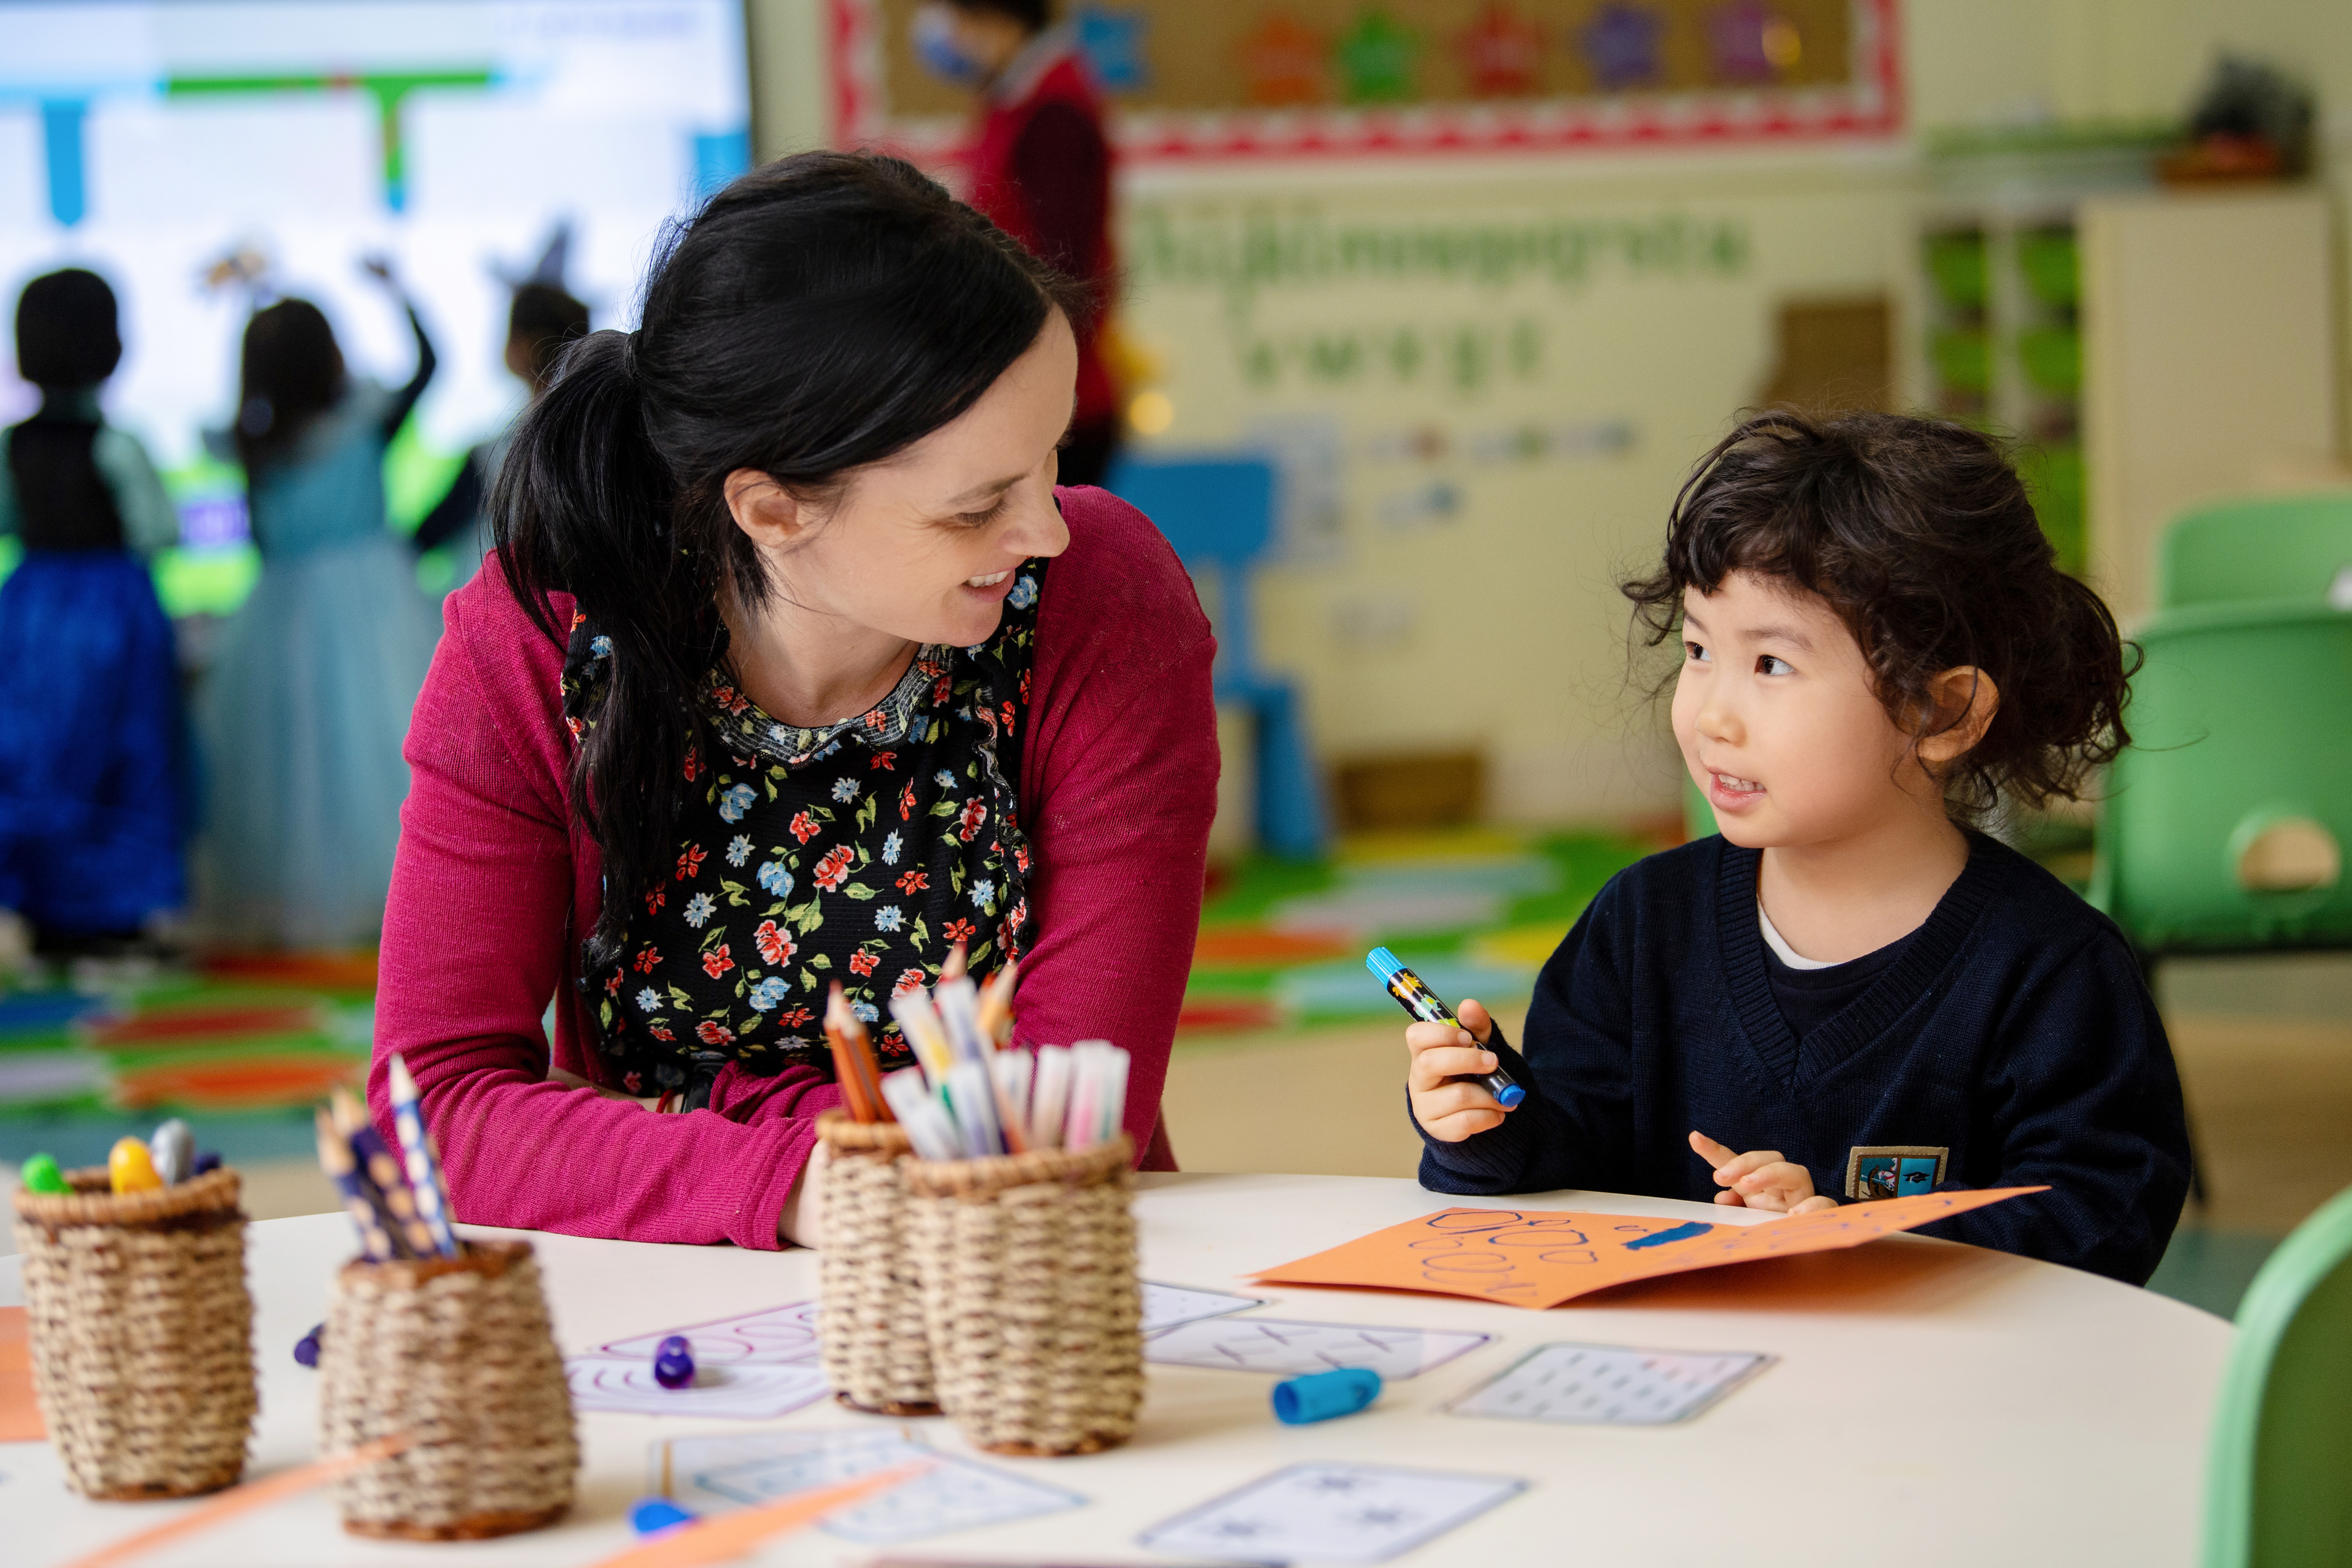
(1458, 1088)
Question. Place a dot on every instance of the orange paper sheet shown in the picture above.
(1533, 1258)
(20, 1415)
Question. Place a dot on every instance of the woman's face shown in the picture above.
(922, 545)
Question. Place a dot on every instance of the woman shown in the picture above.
(303, 713)
(791, 666)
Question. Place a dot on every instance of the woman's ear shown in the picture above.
(773, 517)
(1964, 699)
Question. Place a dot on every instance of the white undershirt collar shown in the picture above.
(1779, 945)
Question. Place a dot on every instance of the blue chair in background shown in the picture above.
(1218, 513)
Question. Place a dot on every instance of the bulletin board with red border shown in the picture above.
(1211, 80)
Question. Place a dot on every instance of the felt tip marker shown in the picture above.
(1413, 992)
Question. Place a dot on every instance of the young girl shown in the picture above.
(92, 746)
(305, 710)
(1861, 991)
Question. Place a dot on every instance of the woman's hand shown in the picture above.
(1760, 1181)
(1449, 1103)
(802, 1222)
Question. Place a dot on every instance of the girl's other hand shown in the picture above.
(1761, 1180)
(1448, 1111)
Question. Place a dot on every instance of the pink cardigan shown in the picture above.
(495, 884)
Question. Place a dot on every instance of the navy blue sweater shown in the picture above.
(2010, 1042)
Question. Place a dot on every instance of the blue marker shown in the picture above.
(1420, 1001)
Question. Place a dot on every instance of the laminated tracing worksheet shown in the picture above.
(1610, 1386)
(712, 1475)
(1279, 1345)
(732, 1390)
(1330, 1513)
(782, 1335)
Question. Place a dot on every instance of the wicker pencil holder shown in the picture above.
(1031, 1296)
(141, 1332)
(458, 1352)
(870, 1315)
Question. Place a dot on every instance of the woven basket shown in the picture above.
(870, 1316)
(458, 1352)
(1031, 1296)
(142, 1333)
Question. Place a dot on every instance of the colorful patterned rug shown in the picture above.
(1474, 910)
(244, 1047)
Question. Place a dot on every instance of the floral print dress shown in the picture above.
(860, 852)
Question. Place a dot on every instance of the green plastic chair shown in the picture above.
(2275, 1478)
(2223, 824)
(2259, 547)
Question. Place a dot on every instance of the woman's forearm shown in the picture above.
(477, 938)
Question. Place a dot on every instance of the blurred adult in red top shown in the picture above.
(1041, 169)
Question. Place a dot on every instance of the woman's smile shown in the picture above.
(992, 585)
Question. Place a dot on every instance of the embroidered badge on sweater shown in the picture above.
(1894, 1170)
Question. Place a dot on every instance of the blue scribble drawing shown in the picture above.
(1679, 1233)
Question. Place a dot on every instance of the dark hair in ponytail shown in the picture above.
(816, 315)
(1919, 534)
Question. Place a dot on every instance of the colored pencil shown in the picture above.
(1049, 1101)
(845, 1065)
(958, 963)
(996, 1006)
(335, 1158)
(1011, 1069)
(424, 1180)
(378, 1174)
(869, 1069)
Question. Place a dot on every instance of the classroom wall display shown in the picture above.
(205, 154)
(1224, 78)
(1483, 391)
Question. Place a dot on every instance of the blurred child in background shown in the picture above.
(93, 753)
(542, 320)
(1041, 170)
(304, 713)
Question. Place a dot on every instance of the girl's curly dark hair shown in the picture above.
(1920, 535)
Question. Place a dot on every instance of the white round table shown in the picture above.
(1933, 1403)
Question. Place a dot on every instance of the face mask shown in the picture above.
(939, 51)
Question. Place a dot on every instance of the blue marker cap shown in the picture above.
(1384, 963)
(651, 1515)
(1321, 1395)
